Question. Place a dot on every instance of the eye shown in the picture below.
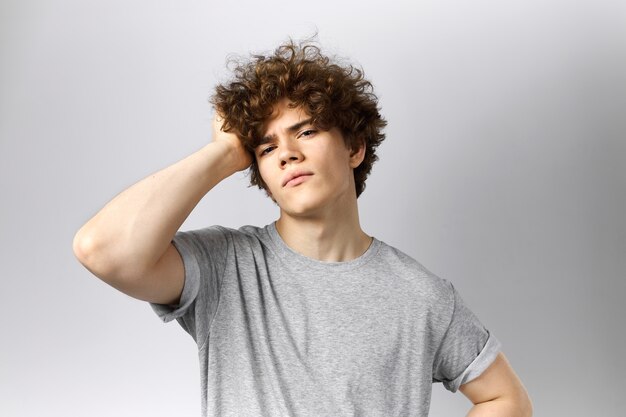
(307, 133)
(266, 150)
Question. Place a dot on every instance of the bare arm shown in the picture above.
(498, 392)
(128, 242)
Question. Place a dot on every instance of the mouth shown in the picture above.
(296, 178)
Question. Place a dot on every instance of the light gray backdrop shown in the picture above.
(503, 171)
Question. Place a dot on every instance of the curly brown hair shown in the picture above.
(332, 94)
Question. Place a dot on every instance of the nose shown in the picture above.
(290, 154)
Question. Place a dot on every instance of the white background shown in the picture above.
(504, 171)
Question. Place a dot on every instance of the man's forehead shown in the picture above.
(285, 118)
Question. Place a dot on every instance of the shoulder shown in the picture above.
(217, 232)
(249, 231)
(407, 269)
(244, 238)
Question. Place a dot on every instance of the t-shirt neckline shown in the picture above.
(291, 257)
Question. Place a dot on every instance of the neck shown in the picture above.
(336, 237)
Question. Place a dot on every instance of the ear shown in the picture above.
(357, 154)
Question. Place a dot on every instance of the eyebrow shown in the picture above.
(293, 128)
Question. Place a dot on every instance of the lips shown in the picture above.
(295, 178)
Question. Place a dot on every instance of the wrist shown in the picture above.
(227, 158)
(235, 154)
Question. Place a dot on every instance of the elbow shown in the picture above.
(89, 253)
(114, 264)
(83, 247)
(94, 256)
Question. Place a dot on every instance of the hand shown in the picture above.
(241, 156)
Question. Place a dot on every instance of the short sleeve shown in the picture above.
(467, 347)
(203, 253)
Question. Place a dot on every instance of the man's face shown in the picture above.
(307, 171)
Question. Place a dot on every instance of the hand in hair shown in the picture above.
(240, 154)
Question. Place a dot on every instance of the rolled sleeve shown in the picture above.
(478, 366)
(467, 347)
(191, 286)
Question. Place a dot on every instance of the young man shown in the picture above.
(308, 316)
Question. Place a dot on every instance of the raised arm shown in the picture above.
(127, 243)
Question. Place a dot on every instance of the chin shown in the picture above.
(302, 208)
(301, 211)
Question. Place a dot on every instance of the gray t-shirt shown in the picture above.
(280, 334)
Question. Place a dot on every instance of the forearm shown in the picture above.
(135, 228)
